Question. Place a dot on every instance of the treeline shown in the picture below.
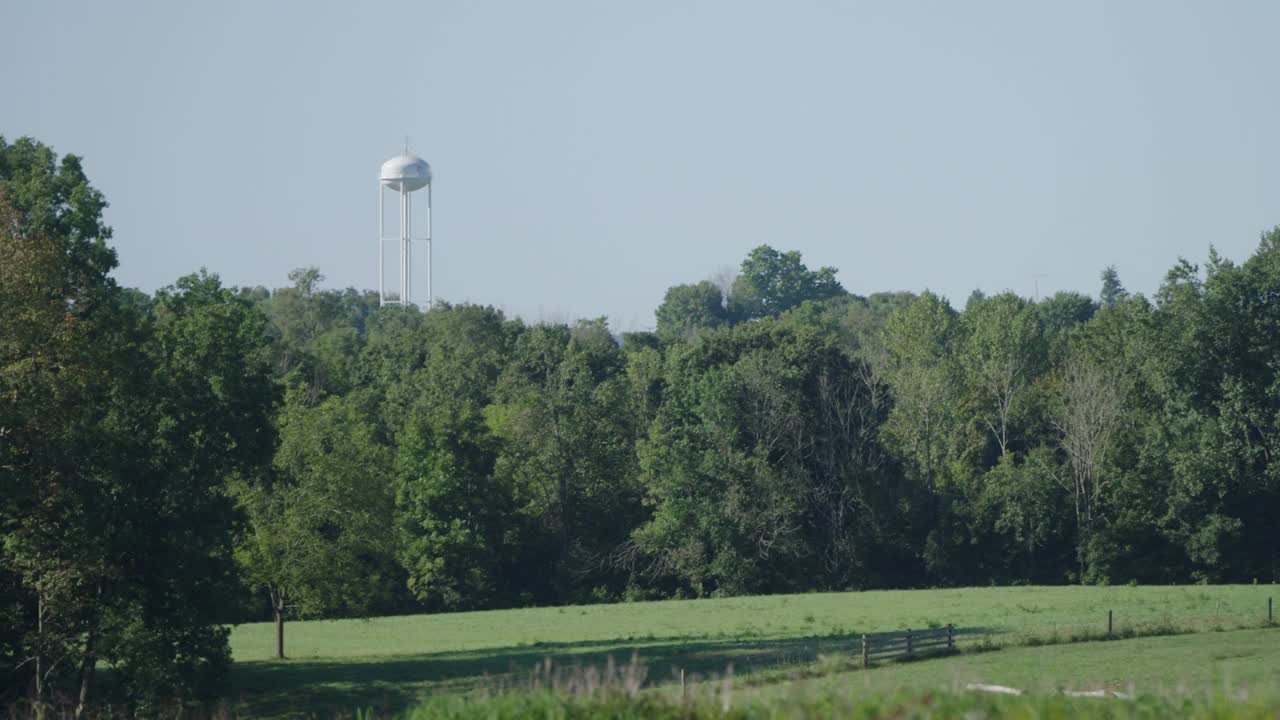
(210, 454)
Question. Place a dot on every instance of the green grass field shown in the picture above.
(775, 644)
(1230, 662)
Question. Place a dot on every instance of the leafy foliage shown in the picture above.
(689, 309)
(319, 533)
(121, 420)
(772, 282)
(174, 461)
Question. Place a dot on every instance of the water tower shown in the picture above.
(402, 176)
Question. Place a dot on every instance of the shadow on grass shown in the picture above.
(388, 684)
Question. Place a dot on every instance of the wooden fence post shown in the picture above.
(866, 652)
(908, 642)
(951, 636)
(1108, 623)
(1270, 621)
(681, 684)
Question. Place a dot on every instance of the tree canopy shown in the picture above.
(174, 461)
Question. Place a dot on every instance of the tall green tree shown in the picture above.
(119, 431)
(453, 512)
(51, 198)
(318, 333)
(59, 353)
(771, 282)
(562, 419)
(320, 536)
(208, 405)
(1092, 405)
(1214, 374)
(1001, 355)
(1112, 291)
(923, 372)
(1060, 315)
(725, 517)
(763, 464)
(1021, 501)
(687, 310)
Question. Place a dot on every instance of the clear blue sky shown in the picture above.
(590, 154)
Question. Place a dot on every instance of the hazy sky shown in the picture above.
(590, 154)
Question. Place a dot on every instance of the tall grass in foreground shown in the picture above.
(556, 706)
(616, 691)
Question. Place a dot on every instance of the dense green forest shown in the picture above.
(210, 454)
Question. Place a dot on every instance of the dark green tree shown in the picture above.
(771, 282)
(120, 430)
(1112, 291)
(453, 512)
(318, 333)
(924, 373)
(1060, 315)
(320, 535)
(1212, 367)
(61, 356)
(562, 417)
(687, 310)
(207, 405)
(762, 464)
(1022, 502)
(1001, 355)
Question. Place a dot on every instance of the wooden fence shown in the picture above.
(907, 643)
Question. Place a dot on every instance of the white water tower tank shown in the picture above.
(406, 172)
(402, 175)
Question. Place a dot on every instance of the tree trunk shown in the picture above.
(89, 661)
(1004, 431)
(928, 460)
(279, 613)
(564, 520)
(279, 602)
(40, 690)
(87, 666)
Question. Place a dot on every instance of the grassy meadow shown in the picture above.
(1230, 662)
(775, 644)
(847, 706)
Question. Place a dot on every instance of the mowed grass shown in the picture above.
(390, 663)
(1014, 610)
(1230, 674)
(1229, 663)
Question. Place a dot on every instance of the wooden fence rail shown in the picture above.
(907, 643)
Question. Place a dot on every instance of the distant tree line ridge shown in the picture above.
(205, 455)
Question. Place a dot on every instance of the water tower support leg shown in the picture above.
(382, 265)
(431, 298)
